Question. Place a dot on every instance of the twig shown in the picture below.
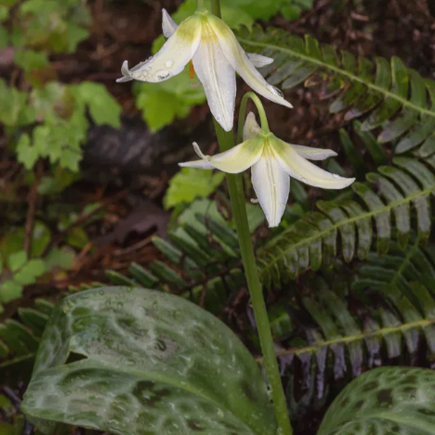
(32, 199)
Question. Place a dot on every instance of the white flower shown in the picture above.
(273, 162)
(216, 55)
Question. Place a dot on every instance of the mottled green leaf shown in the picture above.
(389, 400)
(152, 363)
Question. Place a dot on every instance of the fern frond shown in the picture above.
(19, 339)
(398, 268)
(396, 192)
(201, 261)
(347, 335)
(387, 94)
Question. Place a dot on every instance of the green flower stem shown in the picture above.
(216, 8)
(200, 5)
(242, 114)
(238, 206)
(237, 196)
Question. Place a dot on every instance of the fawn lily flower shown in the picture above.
(272, 163)
(216, 54)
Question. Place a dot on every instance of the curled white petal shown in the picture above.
(241, 63)
(251, 127)
(201, 164)
(311, 153)
(258, 60)
(217, 76)
(272, 186)
(168, 24)
(233, 161)
(172, 57)
(298, 167)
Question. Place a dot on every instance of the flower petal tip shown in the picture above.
(273, 224)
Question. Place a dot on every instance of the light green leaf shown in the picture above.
(162, 102)
(60, 257)
(191, 183)
(4, 12)
(17, 260)
(153, 364)
(11, 103)
(4, 37)
(26, 153)
(31, 60)
(10, 290)
(103, 107)
(30, 271)
(384, 401)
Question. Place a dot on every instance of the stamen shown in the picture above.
(191, 70)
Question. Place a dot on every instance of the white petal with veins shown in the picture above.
(251, 127)
(217, 76)
(272, 186)
(169, 25)
(311, 153)
(233, 161)
(241, 63)
(258, 60)
(172, 57)
(298, 167)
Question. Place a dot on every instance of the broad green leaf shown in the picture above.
(150, 363)
(389, 400)
(191, 183)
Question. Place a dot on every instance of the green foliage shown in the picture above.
(50, 120)
(387, 95)
(398, 268)
(162, 102)
(20, 271)
(19, 338)
(384, 401)
(149, 363)
(202, 259)
(49, 24)
(59, 112)
(392, 193)
(190, 184)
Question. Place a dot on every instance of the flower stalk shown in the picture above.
(200, 5)
(242, 114)
(237, 197)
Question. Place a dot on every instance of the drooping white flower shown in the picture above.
(272, 163)
(216, 54)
